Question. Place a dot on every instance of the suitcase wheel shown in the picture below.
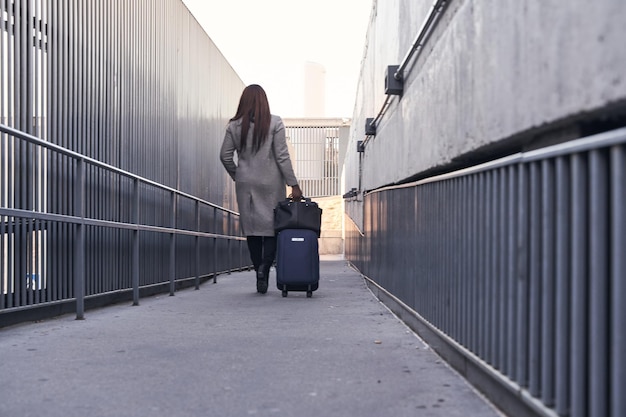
(284, 293)
(309, 294)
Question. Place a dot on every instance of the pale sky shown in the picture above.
(268, 42)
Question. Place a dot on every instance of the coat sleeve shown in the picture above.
(227, 153)
(281, 153)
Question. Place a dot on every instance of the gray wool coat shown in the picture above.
(260, 178)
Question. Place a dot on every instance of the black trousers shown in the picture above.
(262, 250)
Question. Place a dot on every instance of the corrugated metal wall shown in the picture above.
(138, 86)
(521, 262)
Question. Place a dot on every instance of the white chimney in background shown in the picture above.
(314, 90)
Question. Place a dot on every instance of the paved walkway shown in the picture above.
(225, 350)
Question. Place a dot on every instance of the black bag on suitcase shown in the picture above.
(297, 261)
(303, 214)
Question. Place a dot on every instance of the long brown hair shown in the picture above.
(253, 108)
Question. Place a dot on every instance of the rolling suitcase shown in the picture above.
(297, 261)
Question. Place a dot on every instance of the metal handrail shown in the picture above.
(600, 140)
(425, 31)
(80, 221)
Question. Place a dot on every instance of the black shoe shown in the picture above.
(261, 281)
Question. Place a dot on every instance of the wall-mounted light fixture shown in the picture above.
(370, 127)
(393, 85)
(360, 146)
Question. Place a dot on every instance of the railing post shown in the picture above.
(135, 260)
(215, 245)
(197, 245)
(173, 245)
(79, 240)
(230, 255)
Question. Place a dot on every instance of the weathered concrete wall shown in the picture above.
(331, 239)
(494, 78)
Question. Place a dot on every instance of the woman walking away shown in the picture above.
(262, 170)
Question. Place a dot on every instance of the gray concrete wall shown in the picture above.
(331, 239)
(494, 78)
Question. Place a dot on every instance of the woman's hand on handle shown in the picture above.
(296, 193)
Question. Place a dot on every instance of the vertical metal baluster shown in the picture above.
(521, 277)
(381, 243)
(562, 276)
(513, 210)
(439, 305)
(449, 253)
(599, 283)
(485, 265)
(438, 278)
(79, 240)
(618, 283)
(135, 257)
(491, 278)
(481, 265)
(462, 209)
(172, 274)
(474, 271)
(11, 301)
(243, 250)
(28, 258)
(197, 244)
(228, 242)
(534, 275)
(215, 245)
(548, 329)
(429, 236)
(501, 274)
(446, 254)
(418, 255)
(579, 270)
(454, 252)
(377, 241)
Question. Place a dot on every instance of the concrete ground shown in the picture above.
(225, 350)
